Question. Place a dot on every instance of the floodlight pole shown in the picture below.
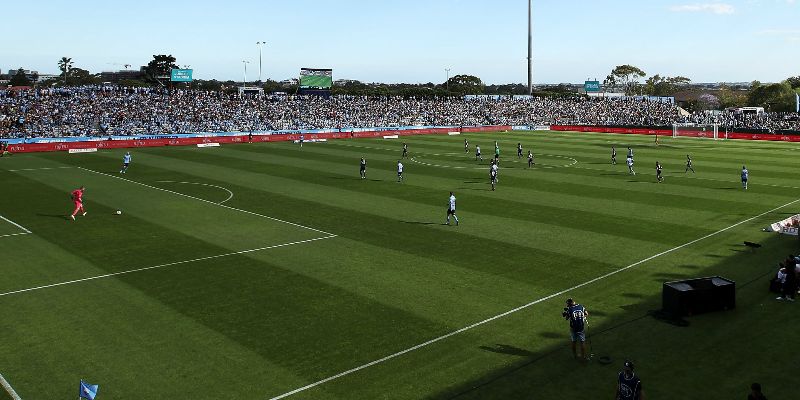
(447, 82)
(244, 83)
(260, 47)
(530, 50)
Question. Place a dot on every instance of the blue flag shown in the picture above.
(87, 391)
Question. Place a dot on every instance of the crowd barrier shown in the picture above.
(114, 143)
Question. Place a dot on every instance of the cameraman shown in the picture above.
(576, 314)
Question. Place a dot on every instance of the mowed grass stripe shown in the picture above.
(335, 164)
(477, 189)
(418, 196)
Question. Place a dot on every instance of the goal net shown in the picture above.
(710, 131)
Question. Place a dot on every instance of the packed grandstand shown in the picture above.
(105, 111)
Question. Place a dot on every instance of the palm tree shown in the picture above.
(65, 64)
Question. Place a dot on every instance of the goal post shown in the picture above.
(709, 131)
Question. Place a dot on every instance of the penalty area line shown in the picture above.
(25, 231)
(524, 306)
(208, 201)
(8, 388)
(152, 267)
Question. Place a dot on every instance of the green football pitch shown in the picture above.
(263, 271)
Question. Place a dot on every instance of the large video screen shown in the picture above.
(315, 78)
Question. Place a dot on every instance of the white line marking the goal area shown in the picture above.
(8, 388)
(524, 306)
(25, 231)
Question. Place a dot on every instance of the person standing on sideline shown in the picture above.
(688, 164)
(126, 162)
(77, 199)
(629, 386)
(399, 171)
(755, 392)
(576, 314)
(302, 138)
(451, 209)
(613, 155)
(363, 168)
(745, 176)
(659, 176)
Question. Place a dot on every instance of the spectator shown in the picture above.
(755, 392)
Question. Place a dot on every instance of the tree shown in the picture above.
(628, 76)
(81, 76)
(465, 84)
(657, 85)
(159, 67)
(20, 79)
(730, 97)
(794, 82)
(777, 97)
(64, 65)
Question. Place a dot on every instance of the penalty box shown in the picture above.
(164, 205)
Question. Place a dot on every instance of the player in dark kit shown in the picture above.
(519, 150)
(576, 314)
(613, 155)
(405, 151)
(688, 164)
(659, 177)
(531, 163)
(629, 386)
(466, 146)
(363, 168)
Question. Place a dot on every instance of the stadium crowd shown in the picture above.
(101, 111)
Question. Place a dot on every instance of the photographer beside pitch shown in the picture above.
(576, 314)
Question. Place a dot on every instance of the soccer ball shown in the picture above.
(118, 212)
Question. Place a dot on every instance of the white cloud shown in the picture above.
(714, 8)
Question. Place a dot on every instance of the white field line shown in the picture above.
(37, 169)
(522, 307)
(209, 202)
(687, 176)
(8, 388)
(130, 271)
(25, 231)
(230, 194)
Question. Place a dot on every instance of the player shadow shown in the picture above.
(552, 335)
(510, 350)
(420, 223)
(59, 216)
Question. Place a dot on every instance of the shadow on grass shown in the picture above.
(539, 371)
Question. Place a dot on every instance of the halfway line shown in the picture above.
(522, 307)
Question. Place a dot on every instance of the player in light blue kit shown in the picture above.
(126, 162)
(745, 176)
(451, 209)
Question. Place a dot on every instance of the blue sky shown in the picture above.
(414, 40)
